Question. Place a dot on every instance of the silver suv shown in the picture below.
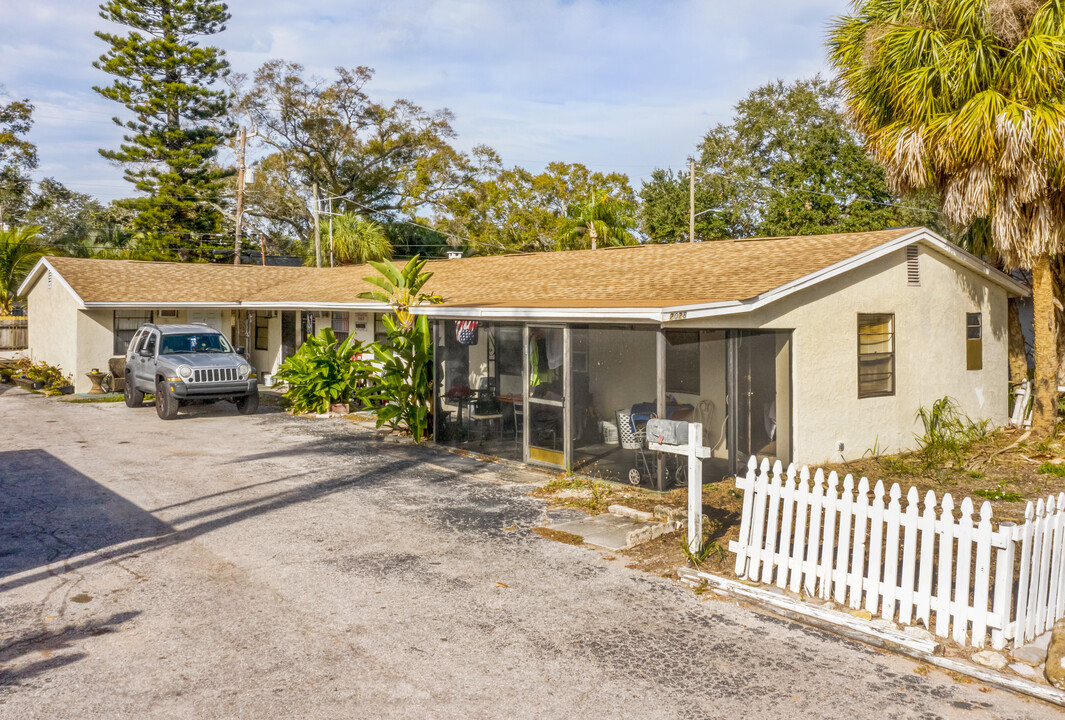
(180, 364)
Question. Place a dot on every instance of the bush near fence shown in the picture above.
(960, 577)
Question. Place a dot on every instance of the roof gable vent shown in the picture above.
(49, 278)
(913, 269)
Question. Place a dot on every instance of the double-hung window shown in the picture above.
(974, 343)
(876, 354)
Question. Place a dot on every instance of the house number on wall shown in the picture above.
(678, 315)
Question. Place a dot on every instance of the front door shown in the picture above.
(546, 367)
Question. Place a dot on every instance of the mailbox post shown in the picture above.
(667, 436)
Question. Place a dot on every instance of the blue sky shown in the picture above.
(622, 85)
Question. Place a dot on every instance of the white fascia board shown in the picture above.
(34, 274)
(142, 304)
(354, 307)
(517, 313)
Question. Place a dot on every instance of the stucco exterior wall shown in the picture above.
(53, 325)
(930, 325)
(95, 344)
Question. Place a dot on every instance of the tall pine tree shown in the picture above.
(164, 77)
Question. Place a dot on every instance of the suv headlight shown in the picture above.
(184, 371)
(244, 370)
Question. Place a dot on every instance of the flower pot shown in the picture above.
(38, 385)
(66, 390)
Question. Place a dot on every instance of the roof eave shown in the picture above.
(33, 276)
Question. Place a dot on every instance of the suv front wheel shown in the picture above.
(166, 405)
(134, 397)
(249, 404)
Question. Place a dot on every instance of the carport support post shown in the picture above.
(695, 488)
(660, 401)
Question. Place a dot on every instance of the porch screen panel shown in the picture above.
(477, 399)
(126, 324)
(613, 371)
(876, 355)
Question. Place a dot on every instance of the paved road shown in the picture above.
(220, 566)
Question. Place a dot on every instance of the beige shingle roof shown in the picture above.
(639, 276)
(162, 282)
(643, 276)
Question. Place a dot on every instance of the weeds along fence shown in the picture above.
(13, 333)
(960, 577)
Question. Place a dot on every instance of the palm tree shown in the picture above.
(966, 97)
(357, 241)
(18, 252)
(598, 219)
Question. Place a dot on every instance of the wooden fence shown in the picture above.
(908, 562)
(13, 333)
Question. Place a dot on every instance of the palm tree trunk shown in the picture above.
(1017, 354)
(1045, 407)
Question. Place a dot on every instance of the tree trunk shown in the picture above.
(1045, 407)
(1017, 353)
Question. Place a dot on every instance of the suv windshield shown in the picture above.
(195, 343)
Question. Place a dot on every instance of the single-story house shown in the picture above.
(811, 349)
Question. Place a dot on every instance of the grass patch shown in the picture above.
(1049, 468)
(94, 399)
(559, 536)
(998, 494)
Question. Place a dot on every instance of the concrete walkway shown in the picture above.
(220, 566)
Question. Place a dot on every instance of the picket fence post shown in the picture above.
(1002, 602)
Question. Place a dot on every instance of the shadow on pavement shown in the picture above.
(162, 535)
(52, 642)
(49, 511)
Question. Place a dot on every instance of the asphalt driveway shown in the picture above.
(220, 566)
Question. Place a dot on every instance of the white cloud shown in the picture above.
(626, 85)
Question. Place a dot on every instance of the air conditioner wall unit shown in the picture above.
(167, 313)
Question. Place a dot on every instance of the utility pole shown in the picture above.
(317, 228)
(262, 247)
(330, 232)
(691, 200)
(240, 192)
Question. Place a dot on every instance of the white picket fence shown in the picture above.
(911, 563)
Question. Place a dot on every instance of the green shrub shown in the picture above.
(948, 433)
(324, 372)
(402, 386)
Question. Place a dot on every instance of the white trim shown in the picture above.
(33, 275)
(353, 307)
(161, 304)
(519, 313)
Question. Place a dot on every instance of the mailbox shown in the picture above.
(667, 432)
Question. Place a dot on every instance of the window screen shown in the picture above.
(340, 325)
(126, 324)
(682, 361)
(262, 331)
(876, 355)
(974, 342)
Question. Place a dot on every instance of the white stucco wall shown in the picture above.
(53, 325)
(929, 346)
(95, 344)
